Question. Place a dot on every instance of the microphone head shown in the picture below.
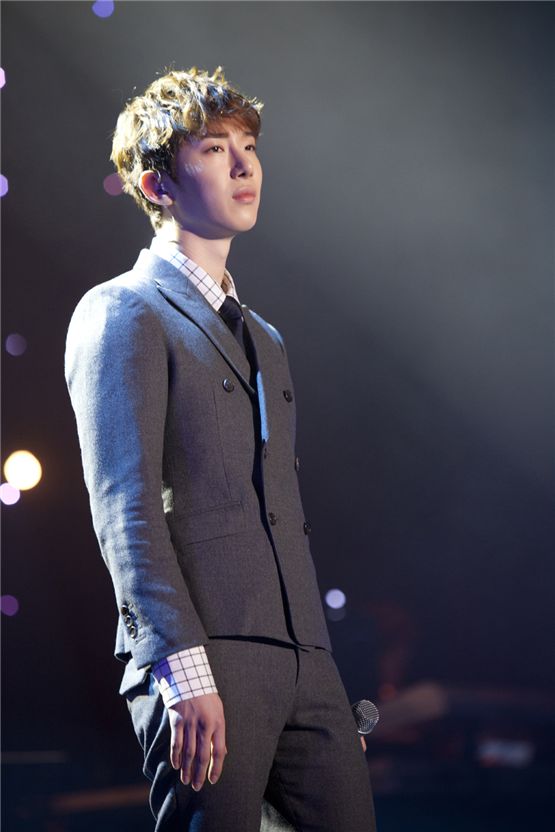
(366, 715)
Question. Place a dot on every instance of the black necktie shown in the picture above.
(232, 314)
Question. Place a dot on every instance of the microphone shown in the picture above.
(366, 716)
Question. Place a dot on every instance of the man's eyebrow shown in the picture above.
(226, 135)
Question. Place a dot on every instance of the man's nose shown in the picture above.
(242, 165)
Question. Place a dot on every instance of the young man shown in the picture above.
(186, 417)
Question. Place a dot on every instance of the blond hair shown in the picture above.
(179, 106)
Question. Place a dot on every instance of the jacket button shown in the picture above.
(297, 463)
(273, 518)
(124, 609)
(228, 385)
(288, 395)
(307, 527)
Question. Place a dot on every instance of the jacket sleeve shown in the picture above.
(117, 375)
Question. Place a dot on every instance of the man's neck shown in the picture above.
(210, 254)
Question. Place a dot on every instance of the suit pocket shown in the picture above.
(133, 677)
(209, 523)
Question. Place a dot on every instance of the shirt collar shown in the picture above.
(207, 286)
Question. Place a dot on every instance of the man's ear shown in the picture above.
(154, 187)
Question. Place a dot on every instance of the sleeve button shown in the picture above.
(297, 463)
(307, 527)
(288, 395)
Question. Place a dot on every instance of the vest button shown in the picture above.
(124, 609)
(297, 463)
(288, 395)
(228, 385)
(307, 527)
(273, 518)
(133, 631)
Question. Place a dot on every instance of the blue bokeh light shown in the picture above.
(103, 8)
(9, 604)
(16, 344)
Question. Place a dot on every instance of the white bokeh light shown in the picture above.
(335, 599)
(22, 470)
(8, 494)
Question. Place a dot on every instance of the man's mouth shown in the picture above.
(244, 195)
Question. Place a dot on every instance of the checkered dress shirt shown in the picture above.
(187, 673)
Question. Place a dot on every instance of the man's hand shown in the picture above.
(197, 735)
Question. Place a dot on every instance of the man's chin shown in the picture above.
(245, 225)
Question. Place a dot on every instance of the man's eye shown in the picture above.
(215, 147)
(251, 147)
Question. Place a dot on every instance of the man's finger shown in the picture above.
(219, 750)
(202, 758)
(189, 751)
(176, 743)
(363, 741)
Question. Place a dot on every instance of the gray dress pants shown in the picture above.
(291, 740)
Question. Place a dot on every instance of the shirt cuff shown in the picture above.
(184, 675)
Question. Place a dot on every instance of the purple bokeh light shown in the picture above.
(3, 185)
(9, 495)
(9, 604)
(335, 599)
(112, 185)
(103, 8)
(2, 78)
(16, 344)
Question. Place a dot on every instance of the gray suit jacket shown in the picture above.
(173, 438)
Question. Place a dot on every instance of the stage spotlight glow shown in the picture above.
(2, 78)
(335, 599)
(16, 344)
(22, 470)
(8, 494)
(9, 604)
(103, 8)
(3, 185)
(112, 185)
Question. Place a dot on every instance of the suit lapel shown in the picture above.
(184, 296)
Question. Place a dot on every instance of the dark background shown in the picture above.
(405, 251)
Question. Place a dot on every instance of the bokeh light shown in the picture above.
(22, 470)
(3, 185)
(8, 494)
(9, 604)
(335, 599)
(16, 344)
(112, 185)
(103, 8)
(2, 78)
